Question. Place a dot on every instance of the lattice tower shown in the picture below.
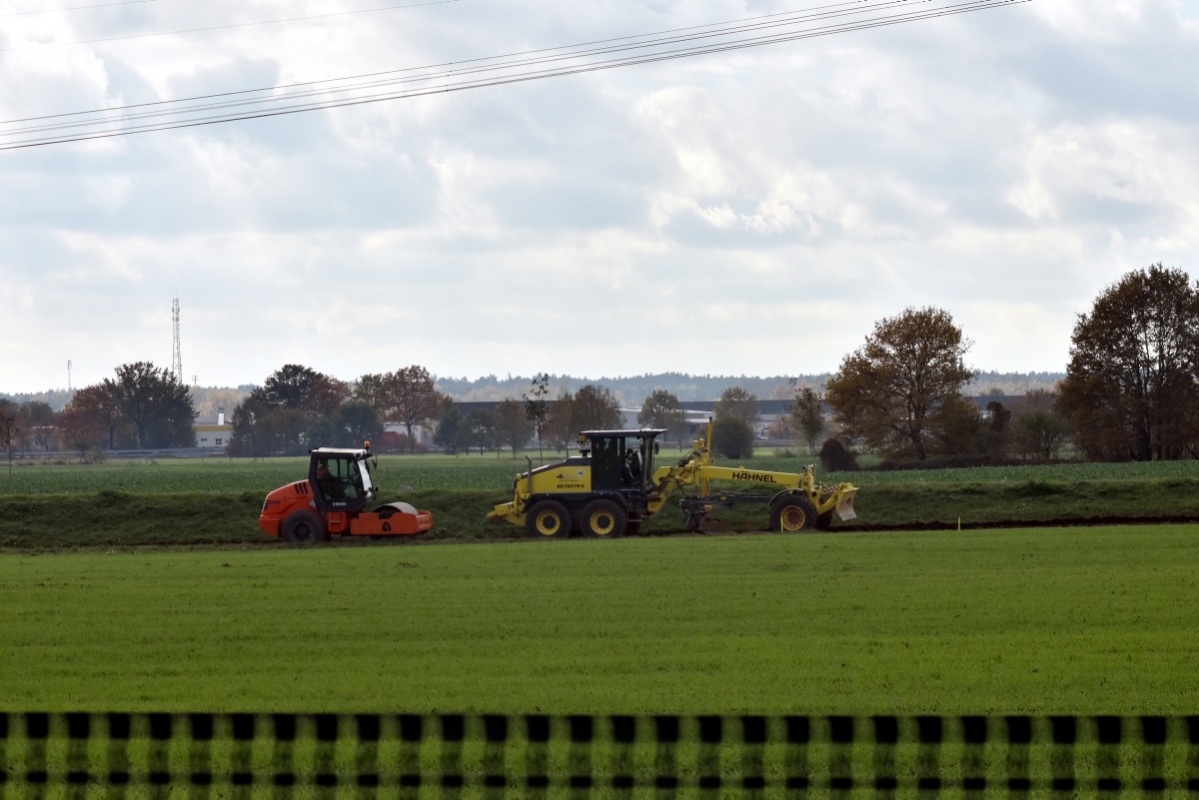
(176, 358)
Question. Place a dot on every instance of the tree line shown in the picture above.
(141, 407)
(1131, 392)
(297, 408)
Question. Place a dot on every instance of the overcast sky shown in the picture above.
(749, 212)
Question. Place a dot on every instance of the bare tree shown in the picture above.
(807, 416)
(412, 399)
(536, 408)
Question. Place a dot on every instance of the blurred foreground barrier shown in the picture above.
(491, 756)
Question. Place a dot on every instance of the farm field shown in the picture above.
(1082, 621)
(492, 473)
(1076, 621)
(216, 501)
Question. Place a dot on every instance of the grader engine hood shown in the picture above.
(572, 476)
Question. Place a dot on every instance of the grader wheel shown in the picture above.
(548, 519)
(792, 514)
(603, 519)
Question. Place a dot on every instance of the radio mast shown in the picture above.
(176, 359)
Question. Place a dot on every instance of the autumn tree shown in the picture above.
(512, 427)
(477, 430)
(836, 457)
(447, 436)
(998, 429)
(732, 437)
(594, 409)
(75, 432)
(662, 409)
(960, 429)
(295, 408)
(1039, 427)
(326, 396)
(40, 422)
(371, 389)
(559, 421)
(900, 388)
(289, 387)
(1130, 388)
(738, 402)
(93, 418)
(156, 403)
(411, 399)
(355, 422)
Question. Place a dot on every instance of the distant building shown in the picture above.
(211, 436)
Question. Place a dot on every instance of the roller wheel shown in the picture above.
(791, 514)
(603, 519)
(824, 521)
(303, 527)
(548, 519)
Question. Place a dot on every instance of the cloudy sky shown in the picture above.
(753, 211)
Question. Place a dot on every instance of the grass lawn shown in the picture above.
(1075, 621)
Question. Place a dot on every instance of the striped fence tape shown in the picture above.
(117, 755)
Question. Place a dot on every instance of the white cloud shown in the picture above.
(1005, 166)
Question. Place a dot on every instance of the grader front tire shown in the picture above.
(548, 519)
(792, 515)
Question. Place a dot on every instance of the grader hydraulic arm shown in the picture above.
(799, 502)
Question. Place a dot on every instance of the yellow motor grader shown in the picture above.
(612, 485)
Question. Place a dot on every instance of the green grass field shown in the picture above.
(492, 473)
(212, 501)
(1085, 621)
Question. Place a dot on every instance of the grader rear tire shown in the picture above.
(603, 519)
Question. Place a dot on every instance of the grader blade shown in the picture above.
(844, 508)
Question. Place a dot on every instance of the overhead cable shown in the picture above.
(220, 27)
(75, 8)
(479, 73)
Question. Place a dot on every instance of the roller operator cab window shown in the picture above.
(340, 479)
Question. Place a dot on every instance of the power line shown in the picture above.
(74, 8)
(861, 4)
(477, 73)
(220, 27)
